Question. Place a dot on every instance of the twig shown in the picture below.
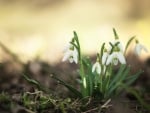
(105, 105)
(90, 111)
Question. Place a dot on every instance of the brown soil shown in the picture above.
(13, 84)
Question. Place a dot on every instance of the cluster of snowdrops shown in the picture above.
(101, 79)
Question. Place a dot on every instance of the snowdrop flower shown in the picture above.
(115, 57)
(71, 54)
(104, 57)
(120, 45)
(139, 47)
(96, 67)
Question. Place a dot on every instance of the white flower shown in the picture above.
(138, 48)
(71, 54)
(120, 45)
(96, 67)
(114, 57)
(104, 57)
(67, 47)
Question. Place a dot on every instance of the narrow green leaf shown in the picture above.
(118, 80)
(102, 50)
(117, 76)
(132, 78)
(31, 80)
(87, 85)
(128, 43)
(115, 34)
(78, 45)
(89, 76)
(111, 44)
(86, 62)
(136, 94)
(124, 74)
(37, 84)
(72, 89)
(76, 38)
(91, 89)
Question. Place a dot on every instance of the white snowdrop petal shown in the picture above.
(93, 69)
(70, 53)
(66, 56)
(138, 49)
(114, 58)
(75, 56)
(109, 60)
(104, 57)
(121, 58)
(67, 47)
(144, 48)
(96, 67)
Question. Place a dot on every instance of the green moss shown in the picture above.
(5, 101)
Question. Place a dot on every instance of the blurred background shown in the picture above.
(41, 28)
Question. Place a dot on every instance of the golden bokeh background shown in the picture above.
(41, 28)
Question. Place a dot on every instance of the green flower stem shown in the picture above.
(110, 73)
(107, 77)
(103, 78)
(101, 83)
(82, 73)
(82, 70)
(83, 78)
(128, 43)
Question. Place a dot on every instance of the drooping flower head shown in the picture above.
(139, 47)
(105, 56)
(97, 66)
(117, 41)
(115, 57)
(71, 54)
(119, 45)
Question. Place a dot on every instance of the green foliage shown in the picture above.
(71, 88)
(107, 78)
(108, 82)
(37, 84)
(5, 100)
(36, 100)
(128, 43)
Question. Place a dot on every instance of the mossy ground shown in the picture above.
(17, 95)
